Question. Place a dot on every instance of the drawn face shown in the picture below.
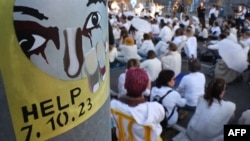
(67, 39)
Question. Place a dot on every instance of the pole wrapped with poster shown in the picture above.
(54, 73)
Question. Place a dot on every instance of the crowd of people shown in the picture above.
(153, 53)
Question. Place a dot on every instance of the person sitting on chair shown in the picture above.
(137, 110)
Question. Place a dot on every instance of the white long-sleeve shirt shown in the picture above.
(146, 46)
(190, 47)
(144, 114)
(172, 61)
(170, 101)
(192, 86)
(152, 67)
(166, 34)
(129, 52)
(207, 123)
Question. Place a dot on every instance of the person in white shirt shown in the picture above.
(232, 26)
(226, 68)
(160, 48)
(127, 51)
(190, 47)
(155, 29)
(166, 33)
(147, 45)
(113, 53)
(215, 31)
(135, 105)
(241, 20)
(164, 84)
(244, 118)
(192, 85)
(172, 60)
(132, 63)
(185, 21)
(213, 14)
(179, 39)
(211, 114)
(203, 35)
(152, 65)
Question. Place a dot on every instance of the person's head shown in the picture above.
(179, 32)
(172, 46)
(201, 4)
(151, 54)
(124, 32)
(194, 65)
(189, 32)
(136, 82)
(215, 24)
(147, 36)
(129, 41)
(165, 78)
(216, 89)
(133, 63)
(222, 36)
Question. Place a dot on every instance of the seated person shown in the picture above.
(134, 105)
(131, 64)
(192, 85)
(211, 114)
(164, 84)
(147, 45)
(127, 51)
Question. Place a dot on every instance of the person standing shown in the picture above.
(201, 12)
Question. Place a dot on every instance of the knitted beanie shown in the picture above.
(136, 82)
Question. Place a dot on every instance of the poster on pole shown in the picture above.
(53, 63)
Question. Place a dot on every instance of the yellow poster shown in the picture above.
(53, 62)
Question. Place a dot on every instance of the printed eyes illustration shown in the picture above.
(71, 45)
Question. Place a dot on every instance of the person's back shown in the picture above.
(212, 113)
(164, 84)
(192, 85)
(172, 60)
(152, 65)
(134, 105)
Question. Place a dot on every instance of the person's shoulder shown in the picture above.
(229, 105)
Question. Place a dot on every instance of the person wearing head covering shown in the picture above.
(192, 85)
(131, 64)
(211, 114)
(135, 105)
(127, 51)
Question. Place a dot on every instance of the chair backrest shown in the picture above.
(126, 132)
